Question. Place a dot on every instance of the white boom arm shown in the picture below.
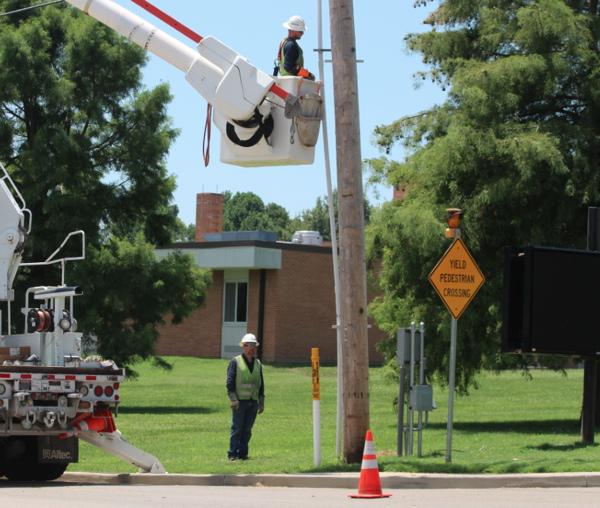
(225, 79)
(12, 233)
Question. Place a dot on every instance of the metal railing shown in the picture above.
(51, 261)
(17, 197)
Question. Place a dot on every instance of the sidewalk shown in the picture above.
(345, 480)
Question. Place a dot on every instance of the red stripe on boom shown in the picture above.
(280, 92)
(169, 20)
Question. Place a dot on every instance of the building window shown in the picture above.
(236, 302)
(242, 300)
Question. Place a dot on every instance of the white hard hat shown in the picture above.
(249, 338)
(295, 23)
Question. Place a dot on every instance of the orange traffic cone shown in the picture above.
(369, 485)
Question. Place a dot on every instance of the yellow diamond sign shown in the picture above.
(456, 278)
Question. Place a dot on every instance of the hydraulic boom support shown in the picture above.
(12, 232)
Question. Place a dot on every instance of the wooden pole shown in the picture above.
(353, 283)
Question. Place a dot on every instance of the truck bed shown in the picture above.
(31, 369)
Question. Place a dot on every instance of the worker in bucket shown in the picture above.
(290, 58)
(246, 392)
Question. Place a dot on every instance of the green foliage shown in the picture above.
(515, 146)
(86, 145)
(183, 232)
(245, 211)
(173, 283)
(317, 218)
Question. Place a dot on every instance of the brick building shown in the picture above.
(280, 291)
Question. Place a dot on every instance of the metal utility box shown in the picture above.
(403, 346)
(421, 398)
(550, 301)
(412, 390)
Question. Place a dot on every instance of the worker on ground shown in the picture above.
(290, 58)
(246, 392)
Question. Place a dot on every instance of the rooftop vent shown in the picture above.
(307, 238)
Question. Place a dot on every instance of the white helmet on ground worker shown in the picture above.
(295, 23)
(249, 338)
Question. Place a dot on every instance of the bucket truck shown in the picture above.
(49, 395)
(263, 120)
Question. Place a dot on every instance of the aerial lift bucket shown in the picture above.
(291, 142)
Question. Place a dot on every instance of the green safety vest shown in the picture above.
(280, 59)
(247, 383)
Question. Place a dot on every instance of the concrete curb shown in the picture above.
(345, 480)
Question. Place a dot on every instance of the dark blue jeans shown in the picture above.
(242, 421)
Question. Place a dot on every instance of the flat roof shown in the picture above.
(251, 254)
(323, 249)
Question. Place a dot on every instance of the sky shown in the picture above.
(386, 88)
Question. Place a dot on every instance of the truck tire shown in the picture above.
(47, 472)
(19, 461)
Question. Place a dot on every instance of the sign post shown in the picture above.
(456, 279)
(451, 387)
(316, 396)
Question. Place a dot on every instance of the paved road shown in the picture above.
(63, 495)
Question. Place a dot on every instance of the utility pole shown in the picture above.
(353, 280)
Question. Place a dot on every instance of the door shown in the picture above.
(235, 312)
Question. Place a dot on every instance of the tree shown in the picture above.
(132, 312)
(245, 211)
(515, 146)
(183, 232)
(86, 144)
(317, 218)
(279, 220)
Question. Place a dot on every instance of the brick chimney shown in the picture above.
(209, 214)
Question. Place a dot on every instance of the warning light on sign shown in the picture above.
(453, 218)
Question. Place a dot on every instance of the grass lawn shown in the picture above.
(509, 425)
